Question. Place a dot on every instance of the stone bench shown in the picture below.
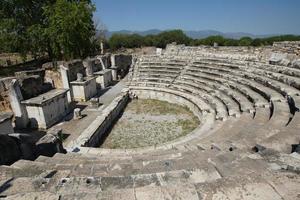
(232, 106)
(47, 109)
(155, 71)
(246, 79)
(255, 97)
(240, 98)
(277, 78)
(217, 103)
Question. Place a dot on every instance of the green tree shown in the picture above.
(168, 37)
(58, 27)
(70, 28)
(256, 42)
(231, 42)
(245, 41)
(214, 39)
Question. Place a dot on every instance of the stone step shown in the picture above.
(256, 97)
(232, 106)
(243, 77)
(218, 104)
(244, 87)
(281, 113)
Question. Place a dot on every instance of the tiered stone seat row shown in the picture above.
(217, 164)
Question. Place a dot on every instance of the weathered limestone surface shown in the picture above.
(243, 102)
(52, 74)
(15, 95)
(6, 123)
(91, 137)
(50, 144)
(104, 78)
(287, 47)
(4, 94)
(84, 89)
(45, 110)
(74, 67)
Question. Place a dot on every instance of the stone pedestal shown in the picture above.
(47, 109)
(77, 114)
(94, 102)
(88, 67)
(113, 60)
(158, 51)
(114, 73)
(84, 90)
(65, 81)
(103, 78)
(15, 95)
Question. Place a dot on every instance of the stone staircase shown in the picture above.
(250, 114)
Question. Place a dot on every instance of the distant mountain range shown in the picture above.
(193, 34)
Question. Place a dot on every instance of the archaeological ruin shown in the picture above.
(204, 122)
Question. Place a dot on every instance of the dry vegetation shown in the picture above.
(150, 123)
(7, 59)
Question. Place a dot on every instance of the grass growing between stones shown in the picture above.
(147, 122)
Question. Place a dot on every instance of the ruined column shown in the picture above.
(114, 68)
(113, 60)
(15, 95)
(101, 48)
(101, 61)
(79, 77)
(65, 80)
(114, 73)
(88, 65)
(77, 114)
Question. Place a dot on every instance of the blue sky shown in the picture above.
(252, 16)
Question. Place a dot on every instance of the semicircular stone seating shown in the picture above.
(244, 153)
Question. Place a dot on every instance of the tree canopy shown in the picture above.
(178, 36)
(64, 29)
(60, 28)
(160, 40)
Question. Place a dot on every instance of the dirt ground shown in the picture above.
(150, 122)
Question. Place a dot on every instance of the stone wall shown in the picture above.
(171, 98)
(74, 66)
(288, 50)
(52, 74)
(84, 90)
(240, 53)
(123, 61)
(287, 47)
(92, 136)
(98, 66)
(32, 86)
(26, 146)
(4, 94)
(6, 123)
(46, 110)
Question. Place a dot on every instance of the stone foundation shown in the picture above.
(84, 90)
(47, 109)
(104, 78)
(92, 136)
(169, 97)
(6, 123)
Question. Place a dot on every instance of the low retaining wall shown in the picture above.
(205, 128)
(92, 136)
(171, 98)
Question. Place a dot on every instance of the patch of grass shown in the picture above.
(150, 123)
(156, 107)
(188, 125)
